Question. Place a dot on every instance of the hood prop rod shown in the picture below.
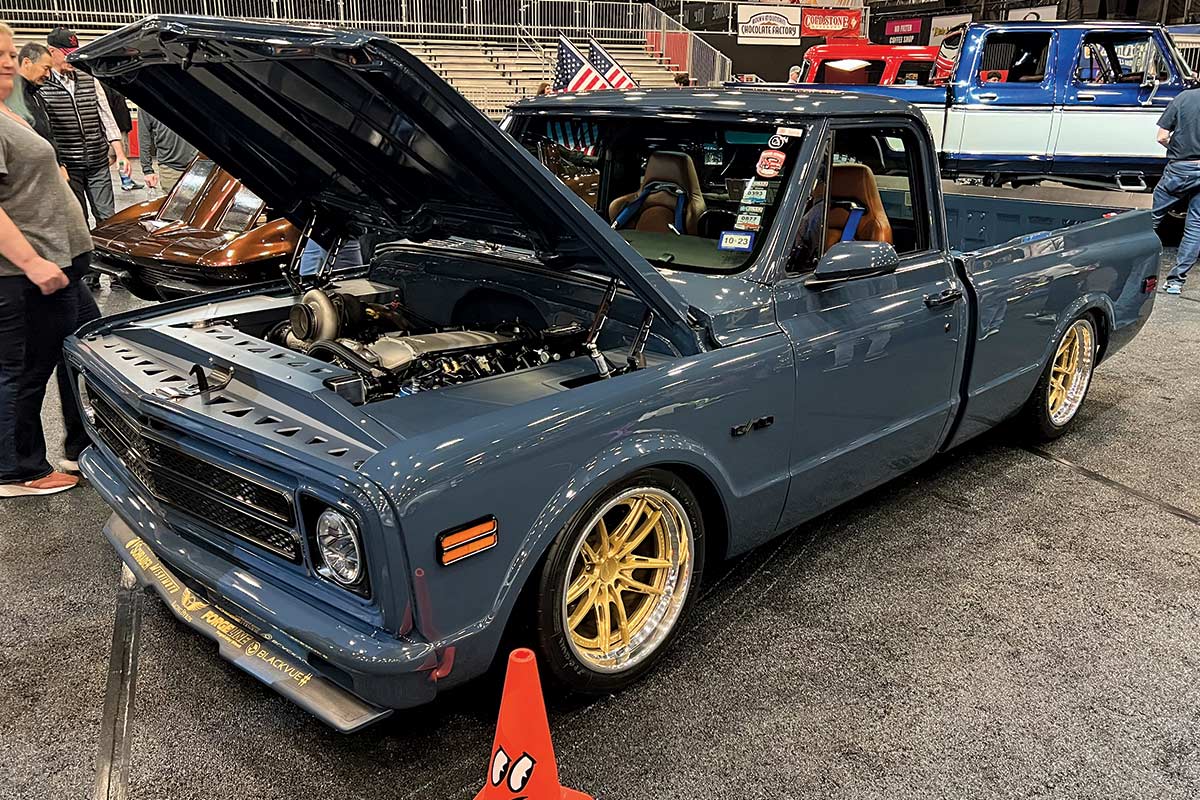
(637, 356)
(292, 271)
(602, 368)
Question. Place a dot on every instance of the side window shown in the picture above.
(810, 237)
(1159, 63)
(914, 73)
(1115, 59)
(870, 188)
(1094, 65)
(569, 148)
(1014, 58)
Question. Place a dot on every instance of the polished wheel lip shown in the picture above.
(651, 621)
(1071, 372)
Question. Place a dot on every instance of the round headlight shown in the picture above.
(337, 540)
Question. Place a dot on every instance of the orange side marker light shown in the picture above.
(459, 543)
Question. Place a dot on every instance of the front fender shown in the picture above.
(536, 464)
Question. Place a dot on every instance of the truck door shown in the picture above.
(878, 358)
(1121, 82)
(1003, 104)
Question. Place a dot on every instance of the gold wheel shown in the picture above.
(628, 579)
(1071, 372)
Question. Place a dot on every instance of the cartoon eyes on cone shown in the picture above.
(518, 773)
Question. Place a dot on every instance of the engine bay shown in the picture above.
(393, 351)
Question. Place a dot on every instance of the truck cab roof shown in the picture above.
(1061, 23)
(766, 102)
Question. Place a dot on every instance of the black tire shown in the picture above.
(1036, 420)
(566, 667)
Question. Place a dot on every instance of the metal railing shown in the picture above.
(516, 25)
(684, 50)
(607, 21)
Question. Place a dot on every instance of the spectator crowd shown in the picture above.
(61, 133)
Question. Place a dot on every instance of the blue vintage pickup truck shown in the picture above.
(627, 336)
(1072, 101)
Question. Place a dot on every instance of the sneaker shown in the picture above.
(69, 465)
(129, 185)
(53, 483)
(1174, 287)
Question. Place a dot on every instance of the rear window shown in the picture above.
(685, 194)
(243, 212)
(186, 190)
(914, 73)
(854, 71)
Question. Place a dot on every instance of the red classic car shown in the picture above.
(209, 232)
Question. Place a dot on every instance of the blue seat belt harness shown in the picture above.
(630, 212)
(856, 215)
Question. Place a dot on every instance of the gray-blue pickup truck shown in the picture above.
(624, 337)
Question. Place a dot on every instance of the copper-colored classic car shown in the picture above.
(208, 233)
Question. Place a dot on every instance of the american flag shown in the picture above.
(613, 72)
(574, 73)
(574, 135)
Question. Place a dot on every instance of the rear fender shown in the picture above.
(1093, 301)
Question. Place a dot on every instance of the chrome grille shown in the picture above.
(261, 515)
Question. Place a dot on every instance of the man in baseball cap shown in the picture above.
(83, 126)
(63, 39)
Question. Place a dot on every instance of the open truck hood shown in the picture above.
(351, 130)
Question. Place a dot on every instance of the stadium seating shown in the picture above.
(492, 75)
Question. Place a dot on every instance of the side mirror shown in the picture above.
(848, 260)
(1151, 83)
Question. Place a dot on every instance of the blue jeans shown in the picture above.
(1180, 184)
(313, 256)
(86, 310)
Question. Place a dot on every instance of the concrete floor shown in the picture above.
(994, 624)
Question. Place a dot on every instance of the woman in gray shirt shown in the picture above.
(43, 237)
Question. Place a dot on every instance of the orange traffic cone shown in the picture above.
(522, 766)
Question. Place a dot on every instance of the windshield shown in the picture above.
(1184, 67)
(685, 194)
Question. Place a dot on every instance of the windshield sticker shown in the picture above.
(737, 241)
(770, 163)
(713, 156)
(789, 131)
(760, 192)
(749, 218)
(777, 141)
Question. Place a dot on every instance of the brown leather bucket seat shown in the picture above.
(855, 183)
(657, 213)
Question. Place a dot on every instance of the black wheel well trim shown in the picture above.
(1103, 324)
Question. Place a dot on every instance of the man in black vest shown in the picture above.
(83, 127)
(33, 69)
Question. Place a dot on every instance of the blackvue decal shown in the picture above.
(199, 612)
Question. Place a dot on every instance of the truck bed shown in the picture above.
(1034, 262)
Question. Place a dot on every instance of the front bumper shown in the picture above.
(344, 676)
(272, 663)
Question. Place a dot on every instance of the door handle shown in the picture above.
(944, 297)
(1085, 98)
(987, 96)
